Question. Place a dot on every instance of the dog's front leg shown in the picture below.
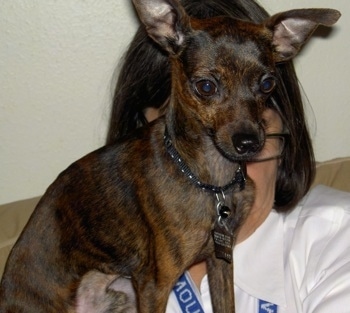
(152, 295)
(220, 276)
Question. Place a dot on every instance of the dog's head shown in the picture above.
(223, 69)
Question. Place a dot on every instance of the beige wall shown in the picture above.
(57, 60)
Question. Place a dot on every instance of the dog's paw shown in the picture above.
(101, 293)
(122, 296)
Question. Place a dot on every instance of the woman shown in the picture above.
(292, 253)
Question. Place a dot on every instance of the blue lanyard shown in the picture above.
(189, 303)
(267, 307)
(186, 296)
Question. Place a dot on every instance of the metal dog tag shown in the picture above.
(223, 240)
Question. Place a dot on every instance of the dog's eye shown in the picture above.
(267, 84)
(206, 88)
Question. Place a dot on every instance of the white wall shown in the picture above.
(57, 60)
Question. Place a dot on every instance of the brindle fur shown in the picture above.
(126, 210)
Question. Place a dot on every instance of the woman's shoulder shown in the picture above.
(317, 245)
(322, 199)
(321, 203)
(323, 213)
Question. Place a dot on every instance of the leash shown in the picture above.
(225, 223)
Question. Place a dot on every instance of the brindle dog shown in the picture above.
(149, 207)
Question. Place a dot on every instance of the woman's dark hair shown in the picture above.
(144, 81)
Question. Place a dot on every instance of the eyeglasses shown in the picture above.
(273, 147)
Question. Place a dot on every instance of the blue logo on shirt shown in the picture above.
(267, 307)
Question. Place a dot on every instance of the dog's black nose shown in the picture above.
(246, 143)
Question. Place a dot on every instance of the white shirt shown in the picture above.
(298, 261)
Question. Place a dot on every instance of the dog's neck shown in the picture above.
(196, 147)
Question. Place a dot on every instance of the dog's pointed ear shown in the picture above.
(166, 22)
(292, 29)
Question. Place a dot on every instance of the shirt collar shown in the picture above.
(259, 264)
